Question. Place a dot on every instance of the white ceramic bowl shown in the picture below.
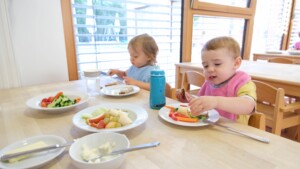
(95, 140)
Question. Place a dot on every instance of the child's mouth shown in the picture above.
(212, 77)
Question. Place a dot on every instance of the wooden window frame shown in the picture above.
(66, 7)
(190, 8)
(194, 7)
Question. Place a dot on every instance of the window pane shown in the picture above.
(103, 29)
(236, 3)
(296, 26)
(208, 27)
(270, 24)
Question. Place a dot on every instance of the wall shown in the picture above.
(38, 41)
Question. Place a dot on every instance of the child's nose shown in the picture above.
(210, 69)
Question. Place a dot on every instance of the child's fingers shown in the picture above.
(110, 72)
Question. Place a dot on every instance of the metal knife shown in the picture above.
(252, 136)
(6, 157)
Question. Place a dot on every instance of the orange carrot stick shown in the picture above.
(172, 109)
(187, 119)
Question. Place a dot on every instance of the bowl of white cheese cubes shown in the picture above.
(85, 150)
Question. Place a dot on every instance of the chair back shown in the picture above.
(257, 120)
(192, 78)
(281, 60)
(170, 92)
(270, 100)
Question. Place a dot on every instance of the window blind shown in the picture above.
(103, 29)
(271, 23)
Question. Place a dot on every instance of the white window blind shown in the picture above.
(103, 29)
(270, 24)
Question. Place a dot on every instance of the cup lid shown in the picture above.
(157, 72)
(91, 73)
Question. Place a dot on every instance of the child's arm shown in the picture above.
(235, 105)
(140, 84)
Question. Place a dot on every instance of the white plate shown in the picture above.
(294, 52)
(115, 90)
(137, 114)
(213, 116)
(34, 102)
(274, 52)
(37, 159)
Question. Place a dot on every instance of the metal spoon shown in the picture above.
(121, 151)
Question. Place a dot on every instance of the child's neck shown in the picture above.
(223, 83)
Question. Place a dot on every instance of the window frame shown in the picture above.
(66, 7)
(194, 7)
(190, 8)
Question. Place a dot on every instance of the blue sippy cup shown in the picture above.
(157, 89)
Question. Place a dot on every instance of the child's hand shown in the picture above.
(130, 81)
(202, 104)
(117, 72)
(183, 96)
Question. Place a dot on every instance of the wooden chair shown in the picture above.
(281, 60)
(192, 78)
(279, 116)
(257, 120)
(284, 61)
(170, 92)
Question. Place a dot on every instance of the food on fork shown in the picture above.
(126, 90)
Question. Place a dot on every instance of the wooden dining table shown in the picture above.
(282, 54)
(181, 147)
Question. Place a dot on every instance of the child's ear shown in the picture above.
(237, 62)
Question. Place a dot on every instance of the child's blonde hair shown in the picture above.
(223, 42)
(148, 45)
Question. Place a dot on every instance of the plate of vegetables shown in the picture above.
(57, 101)
(180, 114)
(115, 117)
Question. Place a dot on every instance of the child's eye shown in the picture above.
(205, 66)
(217, 64)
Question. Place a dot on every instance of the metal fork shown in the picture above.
(249, 135)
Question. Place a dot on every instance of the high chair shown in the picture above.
(270, 101)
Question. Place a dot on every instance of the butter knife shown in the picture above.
(249, 135)
(6, 157)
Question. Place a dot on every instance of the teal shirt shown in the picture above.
(141, 74)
